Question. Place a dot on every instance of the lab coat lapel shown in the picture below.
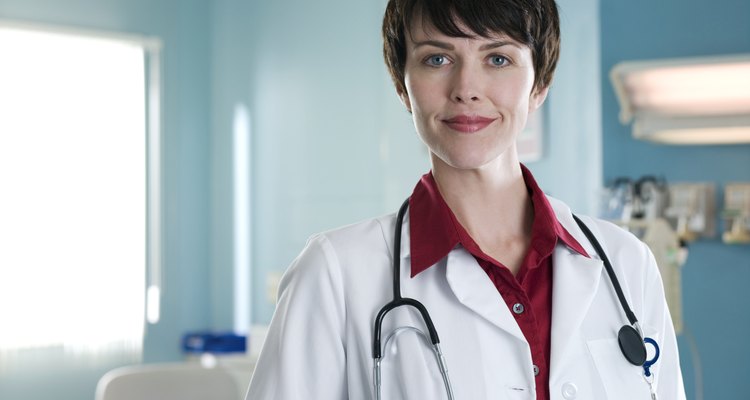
(575, 282)
(575, 279)
(473, 288)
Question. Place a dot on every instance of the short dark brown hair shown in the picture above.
(534, 23)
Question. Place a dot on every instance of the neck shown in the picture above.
(492, 203)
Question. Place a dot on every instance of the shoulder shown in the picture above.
(362, 237)
(345, 247)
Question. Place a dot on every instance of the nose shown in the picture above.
(466, 85)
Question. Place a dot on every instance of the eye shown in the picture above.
(498, 60)
(436, 60)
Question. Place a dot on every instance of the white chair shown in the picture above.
(175, 381)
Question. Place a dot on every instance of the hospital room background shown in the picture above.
(277, 119)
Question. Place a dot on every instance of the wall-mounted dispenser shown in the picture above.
(703, 100)
(736, 213)
(692, 210)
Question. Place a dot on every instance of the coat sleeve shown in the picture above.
(303, 356)
(667, 372)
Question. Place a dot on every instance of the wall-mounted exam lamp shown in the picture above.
(686, 101)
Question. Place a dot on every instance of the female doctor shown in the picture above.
(521, 301)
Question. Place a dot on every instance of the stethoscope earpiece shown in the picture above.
(632, 345)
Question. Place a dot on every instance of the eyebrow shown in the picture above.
(448, 46)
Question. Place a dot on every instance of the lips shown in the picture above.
(468, 123)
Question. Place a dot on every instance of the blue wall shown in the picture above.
(715, 277)
(183, 27)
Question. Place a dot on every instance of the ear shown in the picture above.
(404, 97)
(537, 98)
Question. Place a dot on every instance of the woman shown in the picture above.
(518, 293)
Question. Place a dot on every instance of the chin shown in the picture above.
(467, 162)
(476, 158)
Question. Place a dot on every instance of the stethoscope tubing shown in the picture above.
(398, 300)
(610, 271)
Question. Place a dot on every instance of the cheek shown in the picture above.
(416, 93)
(422, 124)
(514, 88)
(424, 103)
(425, 90)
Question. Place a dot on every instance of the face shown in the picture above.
(470, 98)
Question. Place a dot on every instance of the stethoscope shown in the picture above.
(630, 337)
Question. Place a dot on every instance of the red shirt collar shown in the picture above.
(435, 231)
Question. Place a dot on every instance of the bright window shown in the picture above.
(74, 235)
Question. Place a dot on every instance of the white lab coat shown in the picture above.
(319, 344)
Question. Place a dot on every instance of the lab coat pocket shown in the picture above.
(621, 379)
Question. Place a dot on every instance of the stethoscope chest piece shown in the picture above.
(632, 345)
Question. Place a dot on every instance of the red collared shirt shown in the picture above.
(435, 231)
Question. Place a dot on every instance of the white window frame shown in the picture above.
(152, 48)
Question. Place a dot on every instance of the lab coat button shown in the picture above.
(536, 370)
(569, 390)
(518, 308)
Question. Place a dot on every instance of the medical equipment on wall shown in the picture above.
(627, 199)
(630, 337)
(692, 209)
(670, 255)
(688, 207)
(640, 206)
(736, 213)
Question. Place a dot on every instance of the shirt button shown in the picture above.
(569, 390)
(536, 370)
(518, 308)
